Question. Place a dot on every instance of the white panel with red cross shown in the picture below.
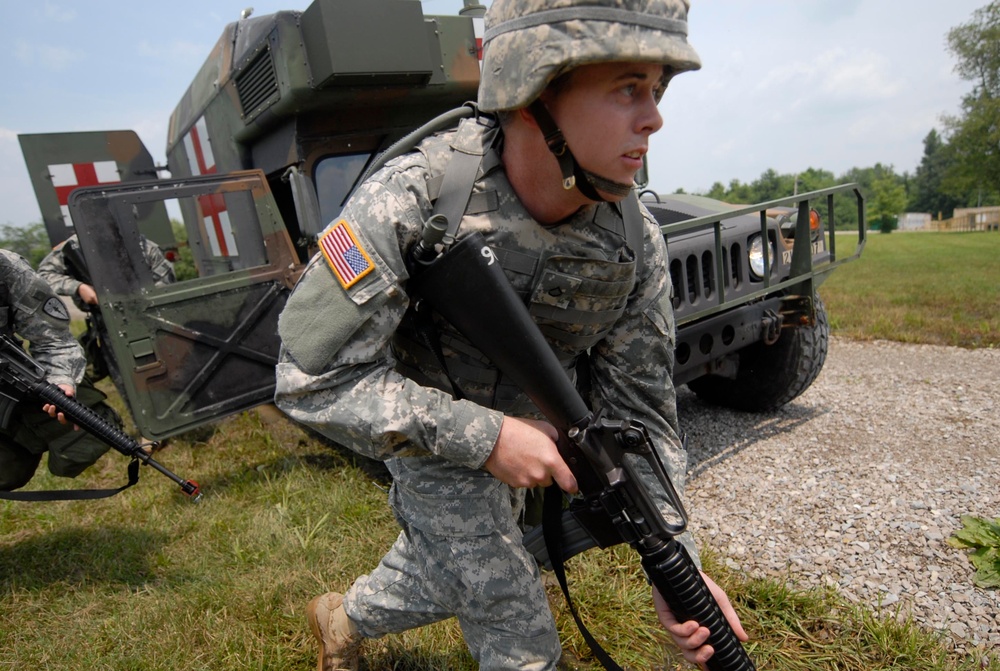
(478, 27)
(69, 176)
(215, 217)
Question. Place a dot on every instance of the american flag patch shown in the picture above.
(346, 257)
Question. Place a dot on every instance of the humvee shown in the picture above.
(288, 111)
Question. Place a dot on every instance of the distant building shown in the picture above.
(914, 221)
(970, 219)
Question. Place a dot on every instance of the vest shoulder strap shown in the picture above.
(635, 226)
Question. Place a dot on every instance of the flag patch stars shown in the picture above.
(346, 257)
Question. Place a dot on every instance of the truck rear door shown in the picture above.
(206, 346)
(59, 163)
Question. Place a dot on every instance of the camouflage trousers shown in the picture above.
(32, 432)
(459, 555)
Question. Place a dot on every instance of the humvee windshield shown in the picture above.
(335, 177)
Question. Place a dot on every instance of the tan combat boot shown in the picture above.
(337, 635)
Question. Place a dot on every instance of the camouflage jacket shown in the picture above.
(339, 372)
(37, 315)
(53, 267)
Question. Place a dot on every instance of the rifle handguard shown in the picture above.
(96, 425)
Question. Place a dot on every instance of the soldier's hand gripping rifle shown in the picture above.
(467, 287)
(25, 378)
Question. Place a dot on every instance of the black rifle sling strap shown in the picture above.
(634, 227)
(552, 516)
(75, 494)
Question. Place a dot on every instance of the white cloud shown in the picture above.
(856, 75)
(48, 57)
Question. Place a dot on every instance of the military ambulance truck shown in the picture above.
(287, 113)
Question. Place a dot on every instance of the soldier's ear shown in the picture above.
(526, 117)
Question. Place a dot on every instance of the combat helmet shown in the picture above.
(528, 43)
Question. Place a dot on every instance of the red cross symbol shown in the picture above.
(478, 27)
(66, 177)
(201, 159)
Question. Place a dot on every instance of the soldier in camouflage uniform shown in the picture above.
(55, 271)
(355, 367)
(30, 309)
(62, 277)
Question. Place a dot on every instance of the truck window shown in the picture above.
(335, 177)
(222, 232)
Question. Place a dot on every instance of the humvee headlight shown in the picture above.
(756, 257)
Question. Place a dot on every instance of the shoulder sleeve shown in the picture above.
(41, 318)
(337, 369)
(53, 270)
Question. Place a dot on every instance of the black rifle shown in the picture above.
(22, 377)
(467, 287)
(94, 339)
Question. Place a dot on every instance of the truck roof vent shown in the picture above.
(257, 86)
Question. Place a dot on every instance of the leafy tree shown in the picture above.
(974, 135)
(888, 200)
(926, 194)
(813, 179)
(772, 185)
(31, 241)
(717, 191)
(184, 268)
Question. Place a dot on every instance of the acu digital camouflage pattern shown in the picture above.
(54, 271)
(37, 315)
(96, 341)
(340, 372)
(528, 43)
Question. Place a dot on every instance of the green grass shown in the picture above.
(937, 288)
(148, 580)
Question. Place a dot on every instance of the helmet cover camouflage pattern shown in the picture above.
(528, 43)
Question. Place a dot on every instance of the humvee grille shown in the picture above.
(694, 278)
(257, 85)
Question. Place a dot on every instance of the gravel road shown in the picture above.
(859, 482)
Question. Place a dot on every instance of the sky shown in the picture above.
(784, 84)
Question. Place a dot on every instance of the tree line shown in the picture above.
(960, 166)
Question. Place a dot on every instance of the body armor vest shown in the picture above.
(575, 300)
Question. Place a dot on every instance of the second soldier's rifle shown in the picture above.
(465, 284)
(93, 339)
(22, 377)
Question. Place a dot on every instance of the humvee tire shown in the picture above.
(770, 376)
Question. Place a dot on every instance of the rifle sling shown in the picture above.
(75, 494)
(552, 513)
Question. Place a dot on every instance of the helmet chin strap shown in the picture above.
(572, 173)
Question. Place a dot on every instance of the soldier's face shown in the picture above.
(607, 112)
